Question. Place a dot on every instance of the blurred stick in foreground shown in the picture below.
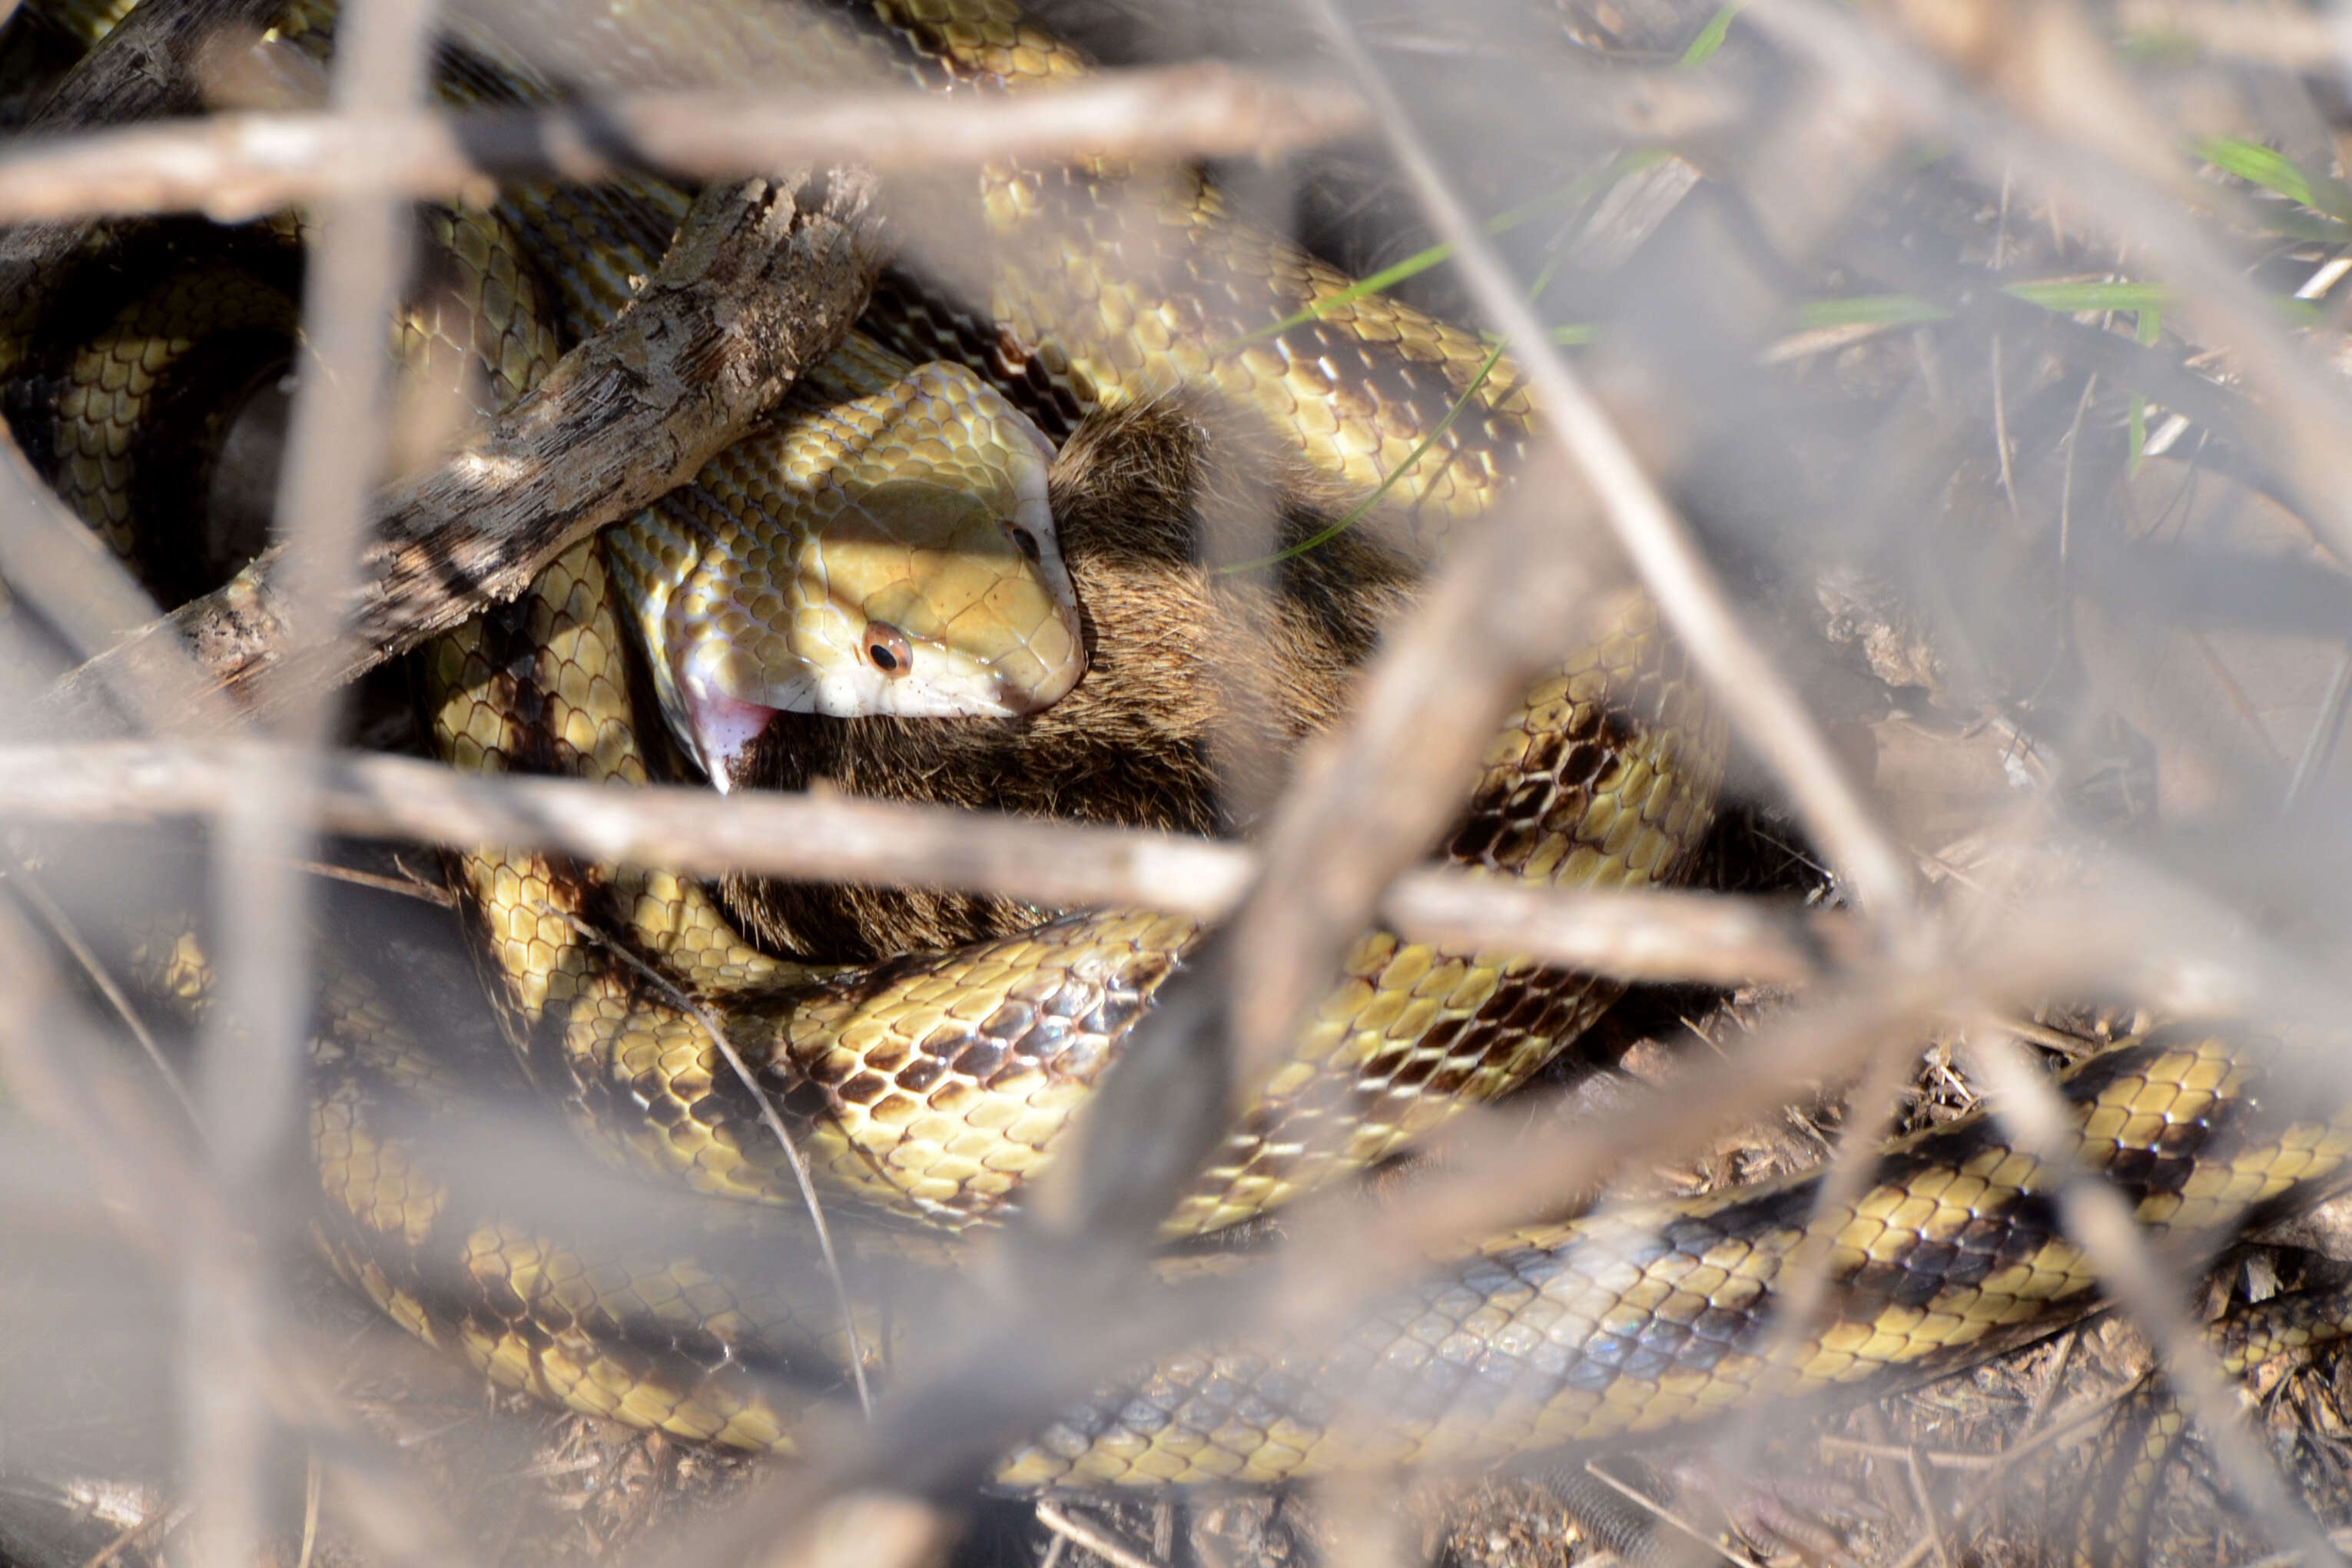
(233, 167)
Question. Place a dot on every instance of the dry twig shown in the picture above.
(57, 565)
(1649, 935)
(252, 1050)
(236, 166)
(52, 1053)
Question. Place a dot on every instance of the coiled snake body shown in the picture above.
(933, 1082)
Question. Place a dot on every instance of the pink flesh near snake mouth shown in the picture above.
(724, 728)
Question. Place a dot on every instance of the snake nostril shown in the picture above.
(889, 648)
(1024, 541)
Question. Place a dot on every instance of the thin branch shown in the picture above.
(101, 980)
(1372, 800)
(159, 1525)
(251, 1053)
(1653, 934)
(236, 166)
(169, 1206)
(1649, 1505)
(59, 566)
(1350, 1250)
(2319, 744)
(1803, 1285)
(2127, 930)
(400, 887)
(1649, 934)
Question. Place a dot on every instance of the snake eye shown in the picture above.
(889, 648)
(1024, 541)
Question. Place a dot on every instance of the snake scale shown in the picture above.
(933, 1082)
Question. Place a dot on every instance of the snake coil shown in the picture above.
(934, 1080)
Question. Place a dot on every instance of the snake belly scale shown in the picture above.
(934, 1082)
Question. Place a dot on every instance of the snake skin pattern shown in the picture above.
(1662, 1314)
(936, 1082)
(117, 385)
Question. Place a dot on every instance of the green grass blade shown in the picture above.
(1575, 193)
(2159, 49)
(2071, 299)
(2275, 172)
(1870, 310)
(1572, 333)
(1710, 37)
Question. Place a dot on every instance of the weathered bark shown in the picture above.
(765, 280)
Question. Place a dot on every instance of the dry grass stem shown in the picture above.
(252, 1048)
(60, 924)
(149, 1532)
(1349, 1250)
(1701, 1542)
(2095, 154)
(171, 1208)
(61, 570)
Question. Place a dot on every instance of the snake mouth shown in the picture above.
(722, 729)
(1019, 702)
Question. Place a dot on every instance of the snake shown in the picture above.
(933, 1082)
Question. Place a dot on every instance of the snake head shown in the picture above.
(893, 555)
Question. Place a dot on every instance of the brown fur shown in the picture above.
(1199, 685)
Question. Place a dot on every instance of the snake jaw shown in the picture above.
(917, 602)
(720, 729)
(893, 554)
